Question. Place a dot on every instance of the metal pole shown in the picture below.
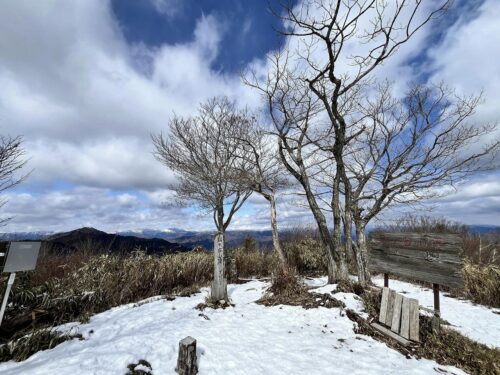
(386, 280)
(10, 282)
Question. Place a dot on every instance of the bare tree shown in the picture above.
(338, 45)
(267, 175)
(206, 154)
(11, 162)
(293, 110)
(410, 149)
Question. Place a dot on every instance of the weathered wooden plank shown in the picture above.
(385, 260)
(419, 240)
(405, 318)
(448, 248)
(427, 255)
(396, 315)
(391, 334)
(443, 273)
(383, 305)
(390, 307)
(414, 320)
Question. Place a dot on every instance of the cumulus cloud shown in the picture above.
(87, 101)
(70, 86)
(103, 208)
(467, 60)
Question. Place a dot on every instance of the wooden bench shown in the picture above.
(399, 317)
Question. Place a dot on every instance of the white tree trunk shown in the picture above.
(362, 255)
(274, 230)
(219, 285)
(348, 235)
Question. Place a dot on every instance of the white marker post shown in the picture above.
(10, 282)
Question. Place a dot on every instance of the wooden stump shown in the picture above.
(186, 362)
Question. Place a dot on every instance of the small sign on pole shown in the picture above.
(16, 257)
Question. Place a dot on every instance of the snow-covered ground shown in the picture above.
(245, 339)
(480, 323)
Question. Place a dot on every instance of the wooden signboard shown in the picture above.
(434, 258)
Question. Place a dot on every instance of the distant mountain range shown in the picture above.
(205, 239)
(152, 241)
(155, 241)
(91, 239)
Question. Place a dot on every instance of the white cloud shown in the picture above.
(169, 8)
(102, 208)
(467, 60)
(71, 86)
(86, 102)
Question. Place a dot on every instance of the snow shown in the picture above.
(245, 339)
(480, 323)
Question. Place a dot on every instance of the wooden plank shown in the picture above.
(391, 334)
(431, 257)
(396, 315)
(414, 320)
(405, 318)
(436, 272)
(427, 255)
(383, 305)
(390, 308)
(440, 241)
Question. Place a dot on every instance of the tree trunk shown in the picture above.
(219, 285)
(274, 230)
(324, 234)
(362, 254)
(337, 229)
(348, 233)
(303, 179)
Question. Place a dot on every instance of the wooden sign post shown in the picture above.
(430, 257)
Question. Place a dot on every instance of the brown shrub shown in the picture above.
(286, 282)
(482, 283)
(251, 263)
(304, 251)
(106, 281)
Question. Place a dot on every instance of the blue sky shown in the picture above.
(248, 26)
(86, 82)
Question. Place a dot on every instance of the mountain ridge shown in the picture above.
(182, 239)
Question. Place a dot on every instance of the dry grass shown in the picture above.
(287, 288)
(22, 348)
(105, 281)
(285, 281)
(482, 283)
(250, 263)
(304, 252)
